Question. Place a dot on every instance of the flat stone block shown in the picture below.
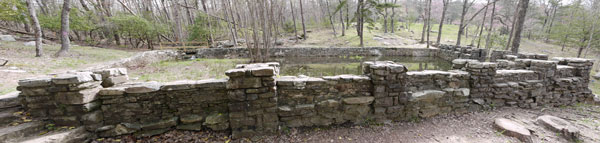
(358, 100)
(144, 87)
(35, 82)
(513, 129)
(565, 128)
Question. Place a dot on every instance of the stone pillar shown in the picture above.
(67, 99)
(582, 70)
(251, 90)
(482, 79)
(388, 80)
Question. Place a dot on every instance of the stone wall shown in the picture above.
(451, 52)
(318, 52)
(255, 100)
(150, 108)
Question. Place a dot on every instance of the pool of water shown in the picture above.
(328, 66)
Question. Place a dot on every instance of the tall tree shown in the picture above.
(341, 4)
(304, 36)
(482, 26)
(444, 9)
(330, 18)
(294, 19)
(428, 21)
(64, 32)
(36, 28)
(519, 26)
(393, 18)
(360, 21)
(208, 18)
(465, 9)
(489, 34)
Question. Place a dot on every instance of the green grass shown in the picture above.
(186, 70)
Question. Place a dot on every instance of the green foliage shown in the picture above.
(78, 21)
(135, 26)
(200, 30)
(288, 27)
(13, 10)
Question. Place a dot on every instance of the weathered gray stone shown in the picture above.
(9, 100)
(7, 38)
(217, 121)
(143, 87)
(263, 71)
(77, 97)
(112, 91)
(597, 76)
(561, 126)
(513, 129)
(178, 85)
(115, 80)
(359, 100)
(235, 72)
(35, 82)
(74, 78)
(119, 129)
(160, 124)
(92, 118)
(427, 96)
(192, 118)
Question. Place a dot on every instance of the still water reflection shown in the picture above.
(328, 66)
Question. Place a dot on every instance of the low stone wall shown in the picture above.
(317, 52)
(452, 52)
(255, 100)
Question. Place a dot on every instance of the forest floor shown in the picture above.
(23, 63)
(466, 128)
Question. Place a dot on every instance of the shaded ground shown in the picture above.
(22, 58)
(467, 128)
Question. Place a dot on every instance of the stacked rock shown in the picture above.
(575, 89)
(253, 101)
(113, 76)
(481, 81)
(67, 99)
(388, 80)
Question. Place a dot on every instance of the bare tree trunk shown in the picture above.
(551, 23)
(482, 26)
(385, 19)
(341, 20)
(393, 18)
(439, 36)
(330, 18)
(424, 22)
(347, 15)
(189, 13)
(461, 26)
(64, 32)
(512, 28)
(232, 27)
(37, 28)
(589, 44)
(210, 38)
(519, 26)
(304, 37)
(489, 34)
(359, 23)
(428, 21)
(177, 19)
(294, 19)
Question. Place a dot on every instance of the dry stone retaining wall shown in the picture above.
(254, 100)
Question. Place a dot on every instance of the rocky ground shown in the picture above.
(467, 128)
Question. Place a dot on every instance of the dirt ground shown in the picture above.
(467, 128)
(23, 63)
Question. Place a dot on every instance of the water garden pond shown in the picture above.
(290, 66)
